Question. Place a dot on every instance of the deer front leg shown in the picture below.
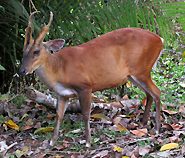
(60, 110)
(85, 103)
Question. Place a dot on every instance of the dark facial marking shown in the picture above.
(28, 35)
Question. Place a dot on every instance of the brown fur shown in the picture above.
(105, 62)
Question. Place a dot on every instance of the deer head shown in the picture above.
(35, 50)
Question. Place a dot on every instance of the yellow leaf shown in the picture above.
(25, 115)
(20, 153)
(98, 116)
(117, 148)
(25, 150)
(125, 157)
(131, 116)
(169, 146)
(44, 129)
(183, 54)
(121, 128)
(128, 84)
(12, 125)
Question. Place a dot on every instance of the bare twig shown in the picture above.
(133, 141)
(14, 96)
(33, 5)
(108, 140)
(108, 135)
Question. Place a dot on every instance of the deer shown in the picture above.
(104, 62)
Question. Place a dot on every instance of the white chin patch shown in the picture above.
(29, 72)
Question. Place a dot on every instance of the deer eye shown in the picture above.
(36, 52)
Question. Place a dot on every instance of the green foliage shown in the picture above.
(111, 132)
(169, 79)
(2, 118)
(81, 21)
(18, 100)
(1, 67)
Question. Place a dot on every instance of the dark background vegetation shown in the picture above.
(80, 21)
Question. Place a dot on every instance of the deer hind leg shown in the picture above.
(153, 93)
(60, 110)
(85, 103)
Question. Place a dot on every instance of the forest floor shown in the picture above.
(116, 131)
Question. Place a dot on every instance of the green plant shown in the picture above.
(2, 68)
(141, 143)
(111, 132)
(81, 21)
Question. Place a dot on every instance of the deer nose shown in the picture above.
(22, 71)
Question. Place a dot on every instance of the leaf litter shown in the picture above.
(116, 131)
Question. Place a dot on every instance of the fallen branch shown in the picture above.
(41, 98)
(50, 102)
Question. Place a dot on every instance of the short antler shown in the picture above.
(50, 20)
(28, 36)
(44, 31)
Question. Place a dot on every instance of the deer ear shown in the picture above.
(55, 44)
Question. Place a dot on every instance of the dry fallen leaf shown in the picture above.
(133, 156)
(181, 108)
(125, 97)
(50, 116)
(140, 132)
(101, 154)
(170, 112)
(143, 151)
(114, 128)
(41, 156)
(12, 125)
(169, 146)
(174, 139)
(27, 127)
(29, 122)
(183, 149)
(133, 107)
(116, 120)
(167, 126)
(144, 102)
(177, 127)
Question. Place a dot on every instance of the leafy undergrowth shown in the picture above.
(116, 131)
